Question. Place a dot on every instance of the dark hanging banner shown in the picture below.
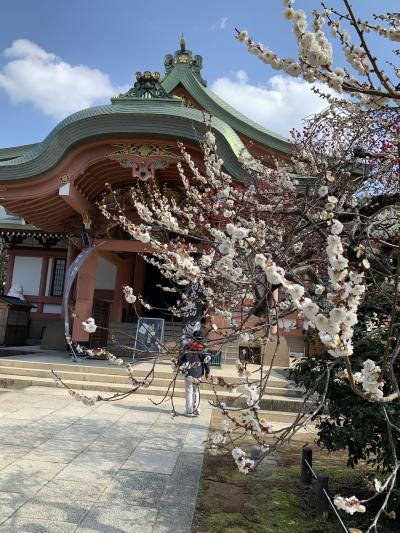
(70, 276)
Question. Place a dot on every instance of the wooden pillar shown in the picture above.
(84, 297)
(139, 279)
(72, 253)
(10, 270)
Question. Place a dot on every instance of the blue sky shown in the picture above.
(119, 37)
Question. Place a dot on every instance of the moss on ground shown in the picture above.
(273, 500)
(266, 502)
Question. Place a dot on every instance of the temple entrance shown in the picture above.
(160, 300)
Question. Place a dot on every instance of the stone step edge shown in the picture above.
(86, 378)
(275, 391)
(110, 370)
(8, 379)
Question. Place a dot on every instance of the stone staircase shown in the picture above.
(230, 352)
(17, 374)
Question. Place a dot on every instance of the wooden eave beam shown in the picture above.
(70, 194)
(119, 245)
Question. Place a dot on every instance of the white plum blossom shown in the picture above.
(319, 290)
(309, 308)
(336, 227)
(323, 191)
(321, 322)
(251, 392)
(315, 55)
(350, 318)
(334, 246)
(378, 486)
(89, 326)
(337, 314)
(128, 294)
(112, 360)
(89, 400)
(207, 259)
(80, 397)
(225, 248)
(260, 260)
(242, 462)
(350, 505)
(371, 379)
(366, 263)
(339, 262)
(274, 274)
(295, 291)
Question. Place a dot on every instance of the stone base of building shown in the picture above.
(278, 352)
(54, 336)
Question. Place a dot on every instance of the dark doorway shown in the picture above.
(158, 299)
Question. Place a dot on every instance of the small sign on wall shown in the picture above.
(149, 336)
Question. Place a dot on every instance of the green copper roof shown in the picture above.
(149, 116)
(15, 151)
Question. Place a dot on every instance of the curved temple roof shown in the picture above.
(147, 108)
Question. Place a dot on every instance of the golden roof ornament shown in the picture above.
(147, 86)
(184, 57)
(144, 159)
(182, 44)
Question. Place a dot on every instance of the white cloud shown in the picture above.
(279, 105)
(53, 86)
(223, 22)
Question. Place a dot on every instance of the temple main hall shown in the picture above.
(49, 193)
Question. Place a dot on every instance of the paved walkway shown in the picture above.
(114, 468)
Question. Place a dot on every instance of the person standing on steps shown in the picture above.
(195, 364)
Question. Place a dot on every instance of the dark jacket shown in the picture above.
(198, 361)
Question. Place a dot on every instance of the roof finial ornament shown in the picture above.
(184, 58)
(147, 86)
(182, 44)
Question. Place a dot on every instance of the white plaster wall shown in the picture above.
(286, 324)
(106, 274)
(27, 271)
(52, 308)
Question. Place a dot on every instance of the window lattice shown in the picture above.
(58, 277)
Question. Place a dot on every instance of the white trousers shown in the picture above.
(192, 396)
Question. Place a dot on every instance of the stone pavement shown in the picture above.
(116, 467)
